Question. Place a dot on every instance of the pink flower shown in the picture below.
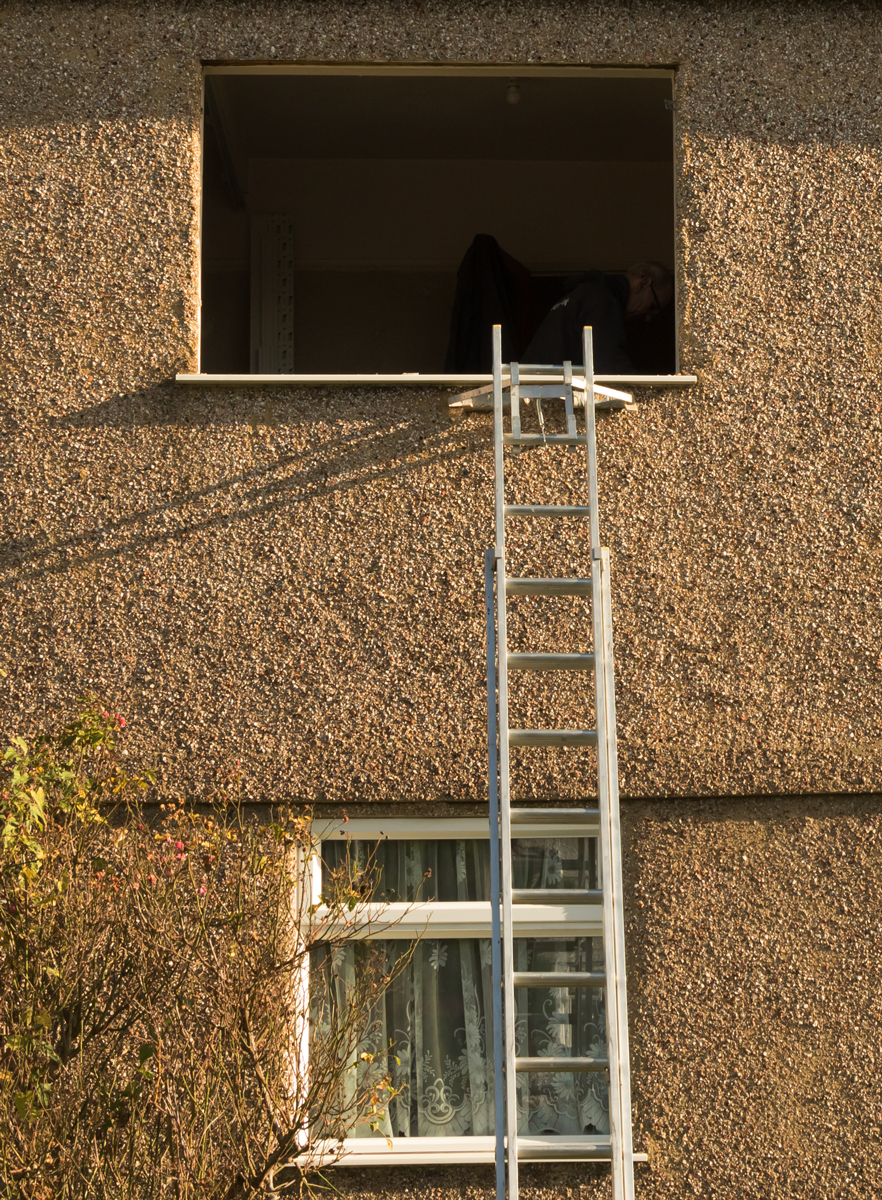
(121, 720)
(151, 879)
(179, 845)
(105, 714)
(201, 891)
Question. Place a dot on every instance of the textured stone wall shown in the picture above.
(294, 579)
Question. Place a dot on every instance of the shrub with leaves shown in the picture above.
(154, 989)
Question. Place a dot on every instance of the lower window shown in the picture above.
(433, 1027)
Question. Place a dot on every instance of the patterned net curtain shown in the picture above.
(435, 1022)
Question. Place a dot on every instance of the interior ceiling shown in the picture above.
(573, 118)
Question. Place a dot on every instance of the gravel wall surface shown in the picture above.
(293, 579)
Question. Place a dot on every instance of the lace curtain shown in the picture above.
(437, 1016)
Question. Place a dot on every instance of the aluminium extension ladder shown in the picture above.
(501, 737)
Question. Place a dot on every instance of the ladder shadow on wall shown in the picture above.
(260, 465)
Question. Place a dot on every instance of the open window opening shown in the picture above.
(341, 208)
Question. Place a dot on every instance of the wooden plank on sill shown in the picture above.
(479, 400)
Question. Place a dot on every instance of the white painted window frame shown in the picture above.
(437, 919)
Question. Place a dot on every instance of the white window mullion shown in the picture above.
(470, 919)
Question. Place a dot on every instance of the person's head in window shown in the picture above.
(651, 290)
(617, 307)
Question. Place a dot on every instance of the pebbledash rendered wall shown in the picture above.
(293, 579)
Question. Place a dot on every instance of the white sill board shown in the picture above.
(407, 380)
(416, 1151)
(380, 829)
(466, 919)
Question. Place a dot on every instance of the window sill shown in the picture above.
(408, 379)
(374, 829)
(416, 1151)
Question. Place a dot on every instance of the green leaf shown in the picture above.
(38, 804)
(145, 1053)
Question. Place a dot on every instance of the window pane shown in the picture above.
(437, 1017)
(441, 870)
(447, 870)
(554, 862)
(559, 1023)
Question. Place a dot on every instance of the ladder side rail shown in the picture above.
(607, 880)
(621, 1168)
(620, 1116)
(514, 400)
(511, 1105)
(591, 439)
(616, 1000)
(495, 927)
(568, 398)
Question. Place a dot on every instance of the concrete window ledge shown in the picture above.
(409, 379)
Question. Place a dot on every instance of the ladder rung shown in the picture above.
(549, 439)
(543, 391)
(561, 1064)
(550, 662)
(562, 1149)
(552, 737)
(553, 816)
(559, 979)
(547, 510)
(535, 369)
(548, 587)
(556, 896)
